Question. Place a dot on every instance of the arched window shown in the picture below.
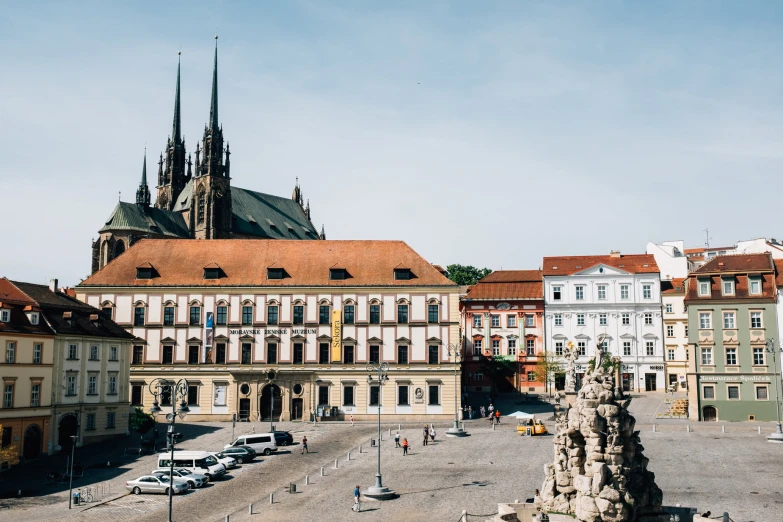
(273, 312)
(324, 312)
(433, 311)
(375, 312)
(247, 312)
(201, 202)
(298, 309)
(402, 311)
(139, 310)
(349, 312)
(195, 313)
(221, 318)
(119, 247)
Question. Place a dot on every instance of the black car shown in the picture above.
(241, 454)
(283, 438)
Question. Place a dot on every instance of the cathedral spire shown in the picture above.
(213, 108)
(171, 174)
(176, 131)
(143, 192)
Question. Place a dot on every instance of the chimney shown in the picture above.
(53, 285)
(614, 253)
(720, 264)
(94, 318)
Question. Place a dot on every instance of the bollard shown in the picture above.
(271, 498)
(335, 463)
(389, 432)
(307, 480)
(759, 430)
(360, 448)
(322, 471)
(464, 517)
(250, 509)
(228, 517)
(688, 428)
(349, 455)
(463, 426)
(292, 487)
(723, 429)
(493, 426)
(398, 427)
(653, 428)
(726, 517)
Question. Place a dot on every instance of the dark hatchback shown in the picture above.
(283, 438)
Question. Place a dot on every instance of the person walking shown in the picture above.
(356, 495)
(397, 440)
(497, 416)
(491, 409)
(426, 434)
(304, 446)
(432, 433)
(482, 411)
(351, 419)
(404, 447)
(470, 412)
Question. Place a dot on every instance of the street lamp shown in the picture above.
(177, 391)
(771, 347)
(379, 491)
(70, 475)
(456, 350)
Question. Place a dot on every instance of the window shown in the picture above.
(477, 346)
(402, 395)
(247, 353)
(433, 354)
(402, 274)
(728, 287)
(323, 314)
(193, 354)
(478, 376)
(512, 346)
(755, 286)
(90, 421)
(247, 315)
(220, 353)
(558, 319)
(10, 353)
(495, 321)
(168, 355)
(580, 319)
(731, 356)
(708, 392)
(195, 315)
(323, 395)
(670, 354)
(626, 347)
(375, 353)
(106, 312)
(168, 315)
(299, 353)
(274, 273)
(733, 392)
(73, 352)
(375, 314)
(323, 353)
(201, 204)
(375, 395)
(580, 293)
(92, 385)
(495, 347)
(602, 319)
(222, 314)
(271, 353)
(647, 291)
(728, 320)
(601, 291)
(348, 396)
(686, 330)
(530, 346)
(137, 394)
(669, 330)
(110, 419)
(402, 313)
(434, 394)
(626, 319)
(648, 318)
(138, 355)
(112, 390)
(669, 308)
(5, 315)
(193, 394)
(433, 313)
(93, 353)
(762, 393)
(705, 321)
(511, 321)
(8, 396)
(557, 292)
(35, 395)
(348, 314)
(272, 314)
(704, 287)
(138, 316)
(33, 318)
(706, 356)
(559, 348)
(758, 357)
(623, 291)
(650, 346)
(582, 347)
(531, 376)
(298, 314)
(348, 354)
(530, 321)
(755, 319)
(37, 353)
(402, 354)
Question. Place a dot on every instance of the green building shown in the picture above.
(731, 303)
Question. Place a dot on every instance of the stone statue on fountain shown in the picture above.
(571, 353)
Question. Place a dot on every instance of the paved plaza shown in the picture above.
(737, 471)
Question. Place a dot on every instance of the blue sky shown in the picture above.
(490, 134)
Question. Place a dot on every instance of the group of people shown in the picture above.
(488, 412)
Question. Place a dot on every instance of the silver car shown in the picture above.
(195, 480)
(155, 484)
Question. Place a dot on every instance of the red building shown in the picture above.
(503, 316)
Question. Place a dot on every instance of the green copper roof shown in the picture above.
(151, 220)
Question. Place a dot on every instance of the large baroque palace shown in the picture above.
(197, 200)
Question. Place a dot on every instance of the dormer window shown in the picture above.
(338, 274)
(5, 315)
(33, 317)
(755, 286)
(728, 286)
(146, 271)
(274, 273)
(704, 287)
(211, 273)
(402, 274)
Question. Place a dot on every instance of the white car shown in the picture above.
(228, 462)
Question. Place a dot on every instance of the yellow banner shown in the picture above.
(337, 336)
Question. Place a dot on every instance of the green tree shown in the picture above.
(8, 453)
(497, 367)
(547, 366)
(141, 422)
(466, 275)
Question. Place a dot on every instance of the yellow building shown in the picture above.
(285, 329)
(675, 325)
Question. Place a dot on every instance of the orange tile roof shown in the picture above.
(778, 272)
(181, 262)
(512, 276)
(675, 286)
(737, 263)
(509, 285)
(567, 265)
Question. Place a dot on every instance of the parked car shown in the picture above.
(196, 480)
(196, 461)
(261, 442)
(241, 454)
(228, 462)
(156, 484)
(283, 438)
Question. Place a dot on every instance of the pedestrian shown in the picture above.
(304, 446)
(482, 411)
(491, 409)
(426, 434)
(470, 412)
(352, 419)
(356, 494)
(497, 416)
(404, 447)
(432, 433)
(397, 440)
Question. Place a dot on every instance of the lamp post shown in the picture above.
(455, 350)
(176, 391)
(770, 346)
(379, 491)
(70, 475)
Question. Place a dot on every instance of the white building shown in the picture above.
(670, 258)
(616, 298)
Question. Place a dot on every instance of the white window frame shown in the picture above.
(114, 353)
(707, 356)
(759, 353)
(530, 347)
(754, 282)
(627, 348)
(557, 293)
(511, 321)
(624, 291)
(35, 395)
(731, 352)
(92, 385)
(112, 385)
(5, 315)
(670, 354)
(512, 346)
(477, 321)
(602, 319)
(669, 330)
(729, 320)
(647, 291)
(669, 308)
(559, 348)
(71, 383)
(602, 292)
(625, 319)
(727, 287)
(579, 292)
(580, 319)
(705, 321)
(530, 321)
(494, 321)
(704, 287)
(581, 346)
(760, 318)
(558, 319)
(478, 346)
(648, 318)
(496, 348)
(649, 348)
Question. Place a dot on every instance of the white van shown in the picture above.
(261, 442)
(201, 462)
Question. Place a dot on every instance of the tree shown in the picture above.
(548, 366)
(466, 275)
(8, 453)
(141, 421)
(497, 367)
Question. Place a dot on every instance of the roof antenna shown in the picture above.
(707, 232)
(119, 196)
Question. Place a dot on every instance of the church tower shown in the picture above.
(143, 192)
(211, 214)
(172, 177)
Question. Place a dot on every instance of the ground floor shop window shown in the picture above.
(762, 393)
(708, 392)
(733, 392)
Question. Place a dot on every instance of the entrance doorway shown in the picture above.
(559, 381)
(296, 409)
(709, 414)
(69, 426)
(673, 379)
(244, 410)
(32, 442)
(650, 381)
(271, 393)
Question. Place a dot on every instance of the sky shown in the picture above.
(482, 133)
